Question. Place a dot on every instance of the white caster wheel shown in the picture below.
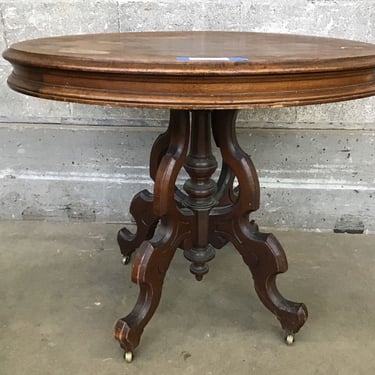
(128, 356)
(289, 339)
(126, 260)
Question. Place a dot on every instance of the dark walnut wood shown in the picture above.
(226, 72)
(144, 70)
(206, 216)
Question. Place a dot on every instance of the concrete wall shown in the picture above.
(61, 161)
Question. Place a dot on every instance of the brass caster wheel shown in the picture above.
(128, 356)
(126, 260)
(289, 339)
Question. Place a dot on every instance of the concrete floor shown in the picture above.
(63, 286)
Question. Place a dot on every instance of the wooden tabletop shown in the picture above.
(193, 70)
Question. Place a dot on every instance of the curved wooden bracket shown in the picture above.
(141, 210)
(171, 163)
(142, 205)
(236, 160)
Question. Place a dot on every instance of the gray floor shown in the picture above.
(63, 286)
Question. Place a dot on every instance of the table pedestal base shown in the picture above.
(202, 218)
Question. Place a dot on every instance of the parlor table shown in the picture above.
(204, 79)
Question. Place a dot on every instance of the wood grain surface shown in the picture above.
(227, 70)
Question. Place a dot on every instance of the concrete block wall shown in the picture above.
(62, 161)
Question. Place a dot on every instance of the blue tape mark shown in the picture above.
(238, 59)
(186, 58)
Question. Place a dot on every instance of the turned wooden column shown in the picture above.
(200, 165)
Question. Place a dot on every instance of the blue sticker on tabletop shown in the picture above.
(187, 58)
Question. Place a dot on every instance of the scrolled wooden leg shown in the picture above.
(262, 253)
(149, 268)
(153, 257)
(265, 257)
(141, 207)
(141, 210)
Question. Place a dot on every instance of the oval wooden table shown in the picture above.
(204, 78)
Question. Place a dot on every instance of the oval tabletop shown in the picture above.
(193, 70)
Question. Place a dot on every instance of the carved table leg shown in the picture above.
(150, 266)
(141, 210)
(141, 205)
(261, 252)
(153, 258)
